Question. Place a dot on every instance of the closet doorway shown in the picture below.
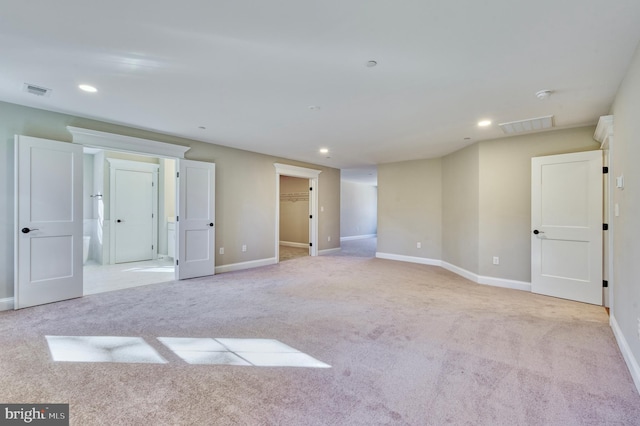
(294, 218)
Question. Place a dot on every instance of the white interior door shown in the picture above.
(48, 238)
(196, 219)
(133, 212)
(566, 220)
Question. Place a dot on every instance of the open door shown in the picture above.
(48, 238)
(196, 219)
(566, 220)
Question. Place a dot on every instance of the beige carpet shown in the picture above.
(408, 345)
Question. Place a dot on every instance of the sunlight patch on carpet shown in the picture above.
(102, 349)
(227, 351)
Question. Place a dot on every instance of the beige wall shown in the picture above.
(410, 208)
(477, 200)
(504, 213)
(245, 187)
(626, 227)
(294, 214)
(358, 209)
(460, 226)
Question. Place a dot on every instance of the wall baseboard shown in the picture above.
(632, 362)
(358, 237)
(246, 265)
(329, 251)
(292, 244)
(410, 259)
(6, 304)
(479, 279)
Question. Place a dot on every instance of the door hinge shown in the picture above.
(177, 218)
(310, 244)
(152, 184)
(151, 215)
(605, 226)
(151, 246)
(605, 283)
(605, 170)
(177, 174)
(177, 262)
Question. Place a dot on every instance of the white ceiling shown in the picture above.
(249, 70)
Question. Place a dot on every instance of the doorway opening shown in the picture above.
(140, 249)
(294, 218)
(310, 177)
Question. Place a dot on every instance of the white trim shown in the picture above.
(292, 244)
(114, 142)
(358, 237)
(410, 259)
(604, 129)
(460, 271)
(632, 363)
(329, 251)
(505, 283)
(246, 265)
(295, 171)
(6, 304)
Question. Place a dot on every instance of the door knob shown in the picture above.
(536, 232)
(27, 230)
(118, 220)
(211, 224)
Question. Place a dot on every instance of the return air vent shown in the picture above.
(529, 125)
(36, 90)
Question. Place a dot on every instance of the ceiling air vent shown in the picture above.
(36, 90)
(529, 125)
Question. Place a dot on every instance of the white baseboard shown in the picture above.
(329, 251)
(492, 281)
(246, 265)
(6, 304)
(632, 362)
(358, 237)
(292, 244)
(410, 259)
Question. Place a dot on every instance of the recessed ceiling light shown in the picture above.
(314, 107)
(371, 64)
(88, 88)
(324, 150)
(484, 123)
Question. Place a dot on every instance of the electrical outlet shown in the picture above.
(418, 245)
(221, 250)
(496, 260)
(244, 247)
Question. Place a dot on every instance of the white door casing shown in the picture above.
(196, 219)
(133, 211)
(48, 218)
(566, 220)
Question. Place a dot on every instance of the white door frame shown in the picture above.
(129, 144)
(604, 135)
(312, 175)
(117, 164)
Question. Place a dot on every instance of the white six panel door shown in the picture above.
(48, 238)
(566, 220)
(196, 219)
